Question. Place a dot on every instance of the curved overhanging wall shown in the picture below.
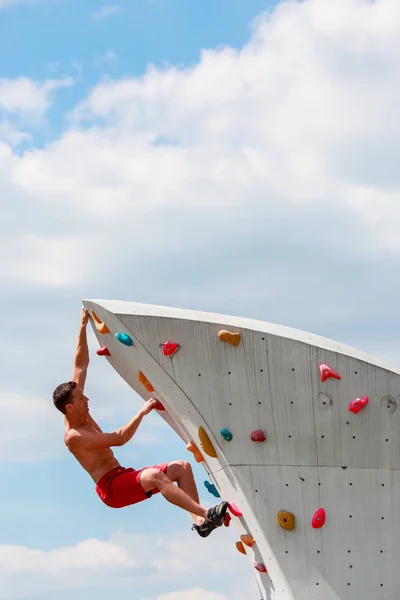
(319, 458)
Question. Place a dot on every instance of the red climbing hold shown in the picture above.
(356, 405)
(260, 567)
(103, 351)
(258, 436)
(227, 519)
(235, 510)
(170, 348)
(158, 406)
(327, 372)
(319, 518)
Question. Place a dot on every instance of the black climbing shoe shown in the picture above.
(216, 514)
(205, 529)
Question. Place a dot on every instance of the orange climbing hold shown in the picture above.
(191, 446)
(260, 567)
(286, 520)
(247, 539)
(206, 443)
(327, 372)
(229, 338)
(240, 547)
(144, 381)
(100, 326)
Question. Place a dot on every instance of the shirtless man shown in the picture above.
(116, 486)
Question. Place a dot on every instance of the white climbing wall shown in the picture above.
(317, 453)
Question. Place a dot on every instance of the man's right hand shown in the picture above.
(148, 406)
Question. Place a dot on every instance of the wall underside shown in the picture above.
(317, 453)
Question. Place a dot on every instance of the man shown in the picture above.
(116, 486)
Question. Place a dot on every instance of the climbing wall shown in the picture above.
(297, 432)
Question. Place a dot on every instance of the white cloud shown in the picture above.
(12, 136)
(94, 563)
(26, 96)
(109, 10)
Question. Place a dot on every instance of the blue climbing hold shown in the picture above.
(124, 339)
(226, 434)
(212, 489)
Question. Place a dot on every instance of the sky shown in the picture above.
(226, 156)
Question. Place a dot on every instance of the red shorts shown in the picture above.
(121, 487)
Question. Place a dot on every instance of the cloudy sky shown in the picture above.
(226, 155)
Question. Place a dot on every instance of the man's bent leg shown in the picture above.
(153, 478)
(181, 472)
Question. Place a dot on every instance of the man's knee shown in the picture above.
(151, 478)
(176, 468)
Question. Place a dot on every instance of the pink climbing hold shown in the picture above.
(235, 510)
(170, 348)
(319, 518)
(258, 436)
(158, 406)
(260, 567)
(356, 405)
(327, 372)
(103, 351)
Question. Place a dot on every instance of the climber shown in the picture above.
(117, 486)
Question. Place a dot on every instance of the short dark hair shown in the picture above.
(62, 395)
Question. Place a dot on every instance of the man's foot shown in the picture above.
(216, 514)
(205, 529)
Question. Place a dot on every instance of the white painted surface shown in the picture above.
(317, 454)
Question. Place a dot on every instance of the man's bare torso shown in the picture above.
(95, 462)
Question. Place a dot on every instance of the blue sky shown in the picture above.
(235, 157)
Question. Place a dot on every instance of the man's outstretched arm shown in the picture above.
(81, 361)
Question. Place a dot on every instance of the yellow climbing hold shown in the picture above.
(240, 547)
(100, 326)
(286, 520)
(206, 443)
(229, 338)
(144, 381)
(247, 539)
(191, 446)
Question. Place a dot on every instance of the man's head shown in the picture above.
(70, 400)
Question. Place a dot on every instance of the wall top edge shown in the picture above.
(151, 310)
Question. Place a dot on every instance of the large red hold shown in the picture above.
(258, 436)
(319, 519)
(103, 351)
(356, 405)
(327, 372)
(260, 567)
(170, 348)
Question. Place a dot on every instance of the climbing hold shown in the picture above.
(318, 519)
(235, 510)
(247, 539)
(212, 489)
(286, 520)
(258, 436)
(260, 567)
(170, 348)
(356, 405)
(240, 547)
(158, 406)
(227, 519)
(226, 434)
(327, 372)
(104, 351)
(100, 326)
(144, 381)
(124, 339)
(229, 338)
(191, 446)
(206, 443)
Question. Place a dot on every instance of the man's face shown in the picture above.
(79, 404)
